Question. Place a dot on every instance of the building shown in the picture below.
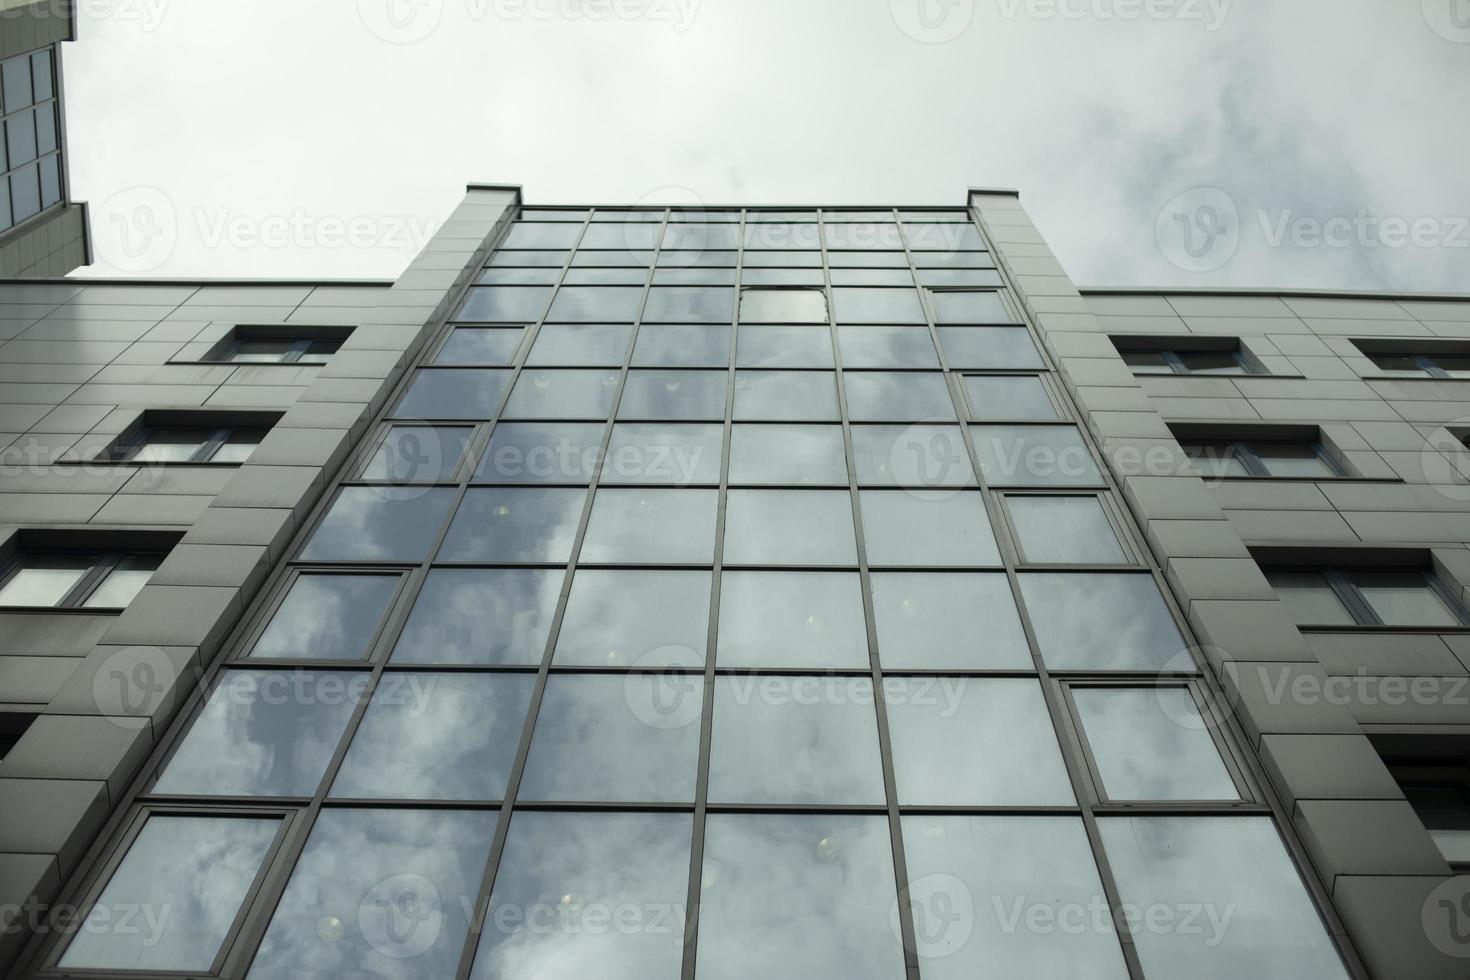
(42, 231)
(621, 576)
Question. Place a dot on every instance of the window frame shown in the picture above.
(102, 564)
(1244, 450)
(1339, 581)
(126, 447)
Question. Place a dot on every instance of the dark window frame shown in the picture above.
(1176, 364)
(102, 564)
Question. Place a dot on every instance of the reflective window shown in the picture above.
(481, 616)
(867, 260)
(792, 619)
(960, 277)
(902, 528)
(872, 277)
(327, 617)
(429, 736)
(794, 739)
(453, 393)
(122, 583)
(505, 304)
(677, 454)
(480, 345)
(92, 581)
(1006, 868)
(589, 344)
(771, 258)
(635, 235)
(1003, 397)
(264, 733)
(960, 306)
(785, 347)
(953, 260)
(882, 396)
(1034, 456)
(628, 618)
(781, 277)
(541, 452)
(544, 276)
(1366, 597)
(535, 234)
(418, 454)
(887, 347)
(696, 236)
(1064, 530)
(948, 620)
(514, 526)
(1151, 743)
(376, 889)
(1195, 862)
(776, 235)
(995, 348)
(634, 276)
(794, 455)
(786, 395)
(943, 237)
(674, 395)
(797, 895)
(589, 895)
(596, 304)
(689, 304)
(783, 306)
(880, 305)
(652, 526)
(694, 277)
(396, 524)
(789, 527)
(616, 737)
(1102, 621)
(682, 345)
(867, 235)
(167, 867)
(1010, 753)
(517, 257)
(914, 456)
(562, 395)
(611, 257)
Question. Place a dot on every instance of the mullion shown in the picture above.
(1348, 594)
(102, 566)
(1246, 453)
(210, 445)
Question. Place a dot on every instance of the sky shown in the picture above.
(1206, 143)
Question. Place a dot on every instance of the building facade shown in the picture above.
(42, 231)
(799, 592)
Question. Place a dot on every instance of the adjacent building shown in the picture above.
(829, 591)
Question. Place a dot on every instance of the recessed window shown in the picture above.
(1354, 596)
(264, 351)
(1423, 365)
(181, 444)
(1439, 792)
(1227, 359)
(75, 580)
(783, 306)
(1263, 459)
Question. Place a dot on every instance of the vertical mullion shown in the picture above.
(1248, 458)
(90, 581)
(210, 445)
(1348, 593)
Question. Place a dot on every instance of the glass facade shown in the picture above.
(725, 594)
(30, 157)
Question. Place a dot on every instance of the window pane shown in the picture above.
(694, 277)
(953, 306)
(882, 305)
(653, 526)
(165, 869)
(609, 304)
(570, 875)
(690, 304)
(792, 619)
(786, 395)
(591, 344)
(696, 236)
(20, 138)
(794, 739)
(327, 617)
(238, 445)
(535, 234)
(1190, 862)
(631, 235)
(879, 396)
(781, 277)
(789, 527)
(1212, 362)
(913, 456)
(481, 616)
(453, 393)
(505, 304)
(664, 453)
(418, 453)
(1000, 867)
(695, 259)
(43, 580)
(1102, 621)
(609, 257)
(946, 620)
(1147, 362)
(783, 306)
(521, 277)
(1215, 460)
(1034, 456)
(876, 236)
(797, 455)
(771, 258)
(376, 889)
(264, 733)
(943, 237)
(674, 395)
(867, 260)
(775, 235)
(788, 347)
(626, 618)
(562, 395)
(1064, 530)
(170, 445)
(380, 524)
(886, 347)
(124, 582)
(480, 345)
(505, 257)
(17, 78)
(1152, 744)
(1010, 754)
(1404, 599)
(514, 526)
(797, 895)
(1309, 600)
(1291, 459)
(902, 528)
(542, 452)
(1002, 348)
(437, 737)
(682, 345)
(1008, 398)
(634, 276)
(616, 737)
(960, 277)
(872, 277)
(25, 191)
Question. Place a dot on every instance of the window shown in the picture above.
(560, 395)
(1064, 530)
(651, 526)
(789, 527)
(790, 455)
(327, 617)
(970, 306)
(1145, 355)
(29, 157)
(480, 345)
(482, 616)
(186, 444)
(1034, 456)
(397, 524)
(1262, 458)
(506, 304)
(1151, 743)
(877, 305)
(607, 304)
(674, 395)
(948, 621)
(453, 393)
(903, 528)
(683, 345)
(887, 347)
(989, 348)
(1423, 365)
(783, 306)
(894, 396)
(244, 350)
(792, 619)
(689, 304)
(761, 346)
(1366, 596)
(514, 526)
(1101, 621)
(581, 344)
(664, 453)
(75, 580)
(796, 396)
(923, 458)
(1004, 397)
(608, 620)
(417, 454)
(1439, 792)
(541, 452)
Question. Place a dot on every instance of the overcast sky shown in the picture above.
(1308, 143)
